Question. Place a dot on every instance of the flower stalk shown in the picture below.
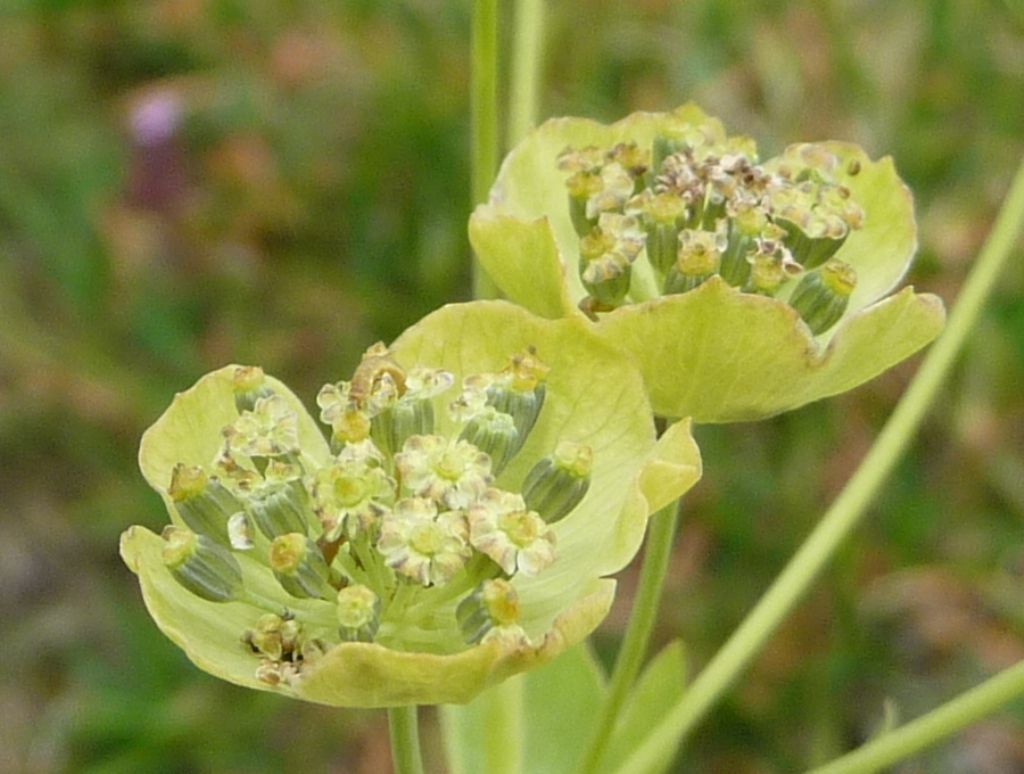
(939, 724)
(405, 740)
(637, 638)
(484, 117)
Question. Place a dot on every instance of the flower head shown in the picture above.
(399, 565)
(741, 287)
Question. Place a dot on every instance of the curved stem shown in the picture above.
(638, 632)
(484, 117)
(527, 63)
(405, 740)
(851, 505)
(938, 724)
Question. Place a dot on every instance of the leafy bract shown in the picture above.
(594, 396)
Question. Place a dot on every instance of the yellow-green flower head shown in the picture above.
(401, 566)
(451, 471)
(422, 543)
(718, 244)
(516, 538)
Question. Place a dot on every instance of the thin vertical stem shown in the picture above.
(527, 65)
(851, 505)
(638, 632)
(405, 740)
(503, 722)
(484, 117)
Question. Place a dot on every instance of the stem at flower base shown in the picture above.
(527, 62)
(638, 632)
(503, 720)
(937, 725)
(851, 505)
(484, 117)
(405, 740)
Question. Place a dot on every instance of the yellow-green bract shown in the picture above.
(594, 397)
(714, 353)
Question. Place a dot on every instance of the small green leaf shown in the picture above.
(658, 689)
(556, 716)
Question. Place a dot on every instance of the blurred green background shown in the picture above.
(185, 183)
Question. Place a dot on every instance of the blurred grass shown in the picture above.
(312, 199)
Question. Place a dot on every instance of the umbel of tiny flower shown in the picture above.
(742, 287)
(452, 522)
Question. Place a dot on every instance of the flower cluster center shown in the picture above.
(694, 206)
(402, 531)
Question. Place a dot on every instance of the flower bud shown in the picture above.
(605, 275)
(200, 565)
(249, 384)
(394, 426)
(494, 603)
(203, 503)
(697, 260)
(744, 228)
(607, 254)
(821, 296)
(493, 432)
(813, 251)
(557, 484)
(280, 504)
(358, 614)
(766, 275)
(583, 182)
(519, 392)
(663, 215)
(300, 568)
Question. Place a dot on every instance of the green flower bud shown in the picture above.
(300, 568)
(744, 228)
(249, 384)
(203, 503)
(280, 504)
(494, 603)
(810, 251)
(519, 392)
(393, 427)
(200, 565)
(663, 214)
(583, 182)
(358, 614)
(821, 296)
(766, 275)
(493, 432)
(698, 259)
(557, 484)
(607, 254)
(581, 187)
(632, 158)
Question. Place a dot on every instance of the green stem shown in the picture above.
(405, 740)
(848, 509)
(502, 711)
(484, 117)
(527, 62)
(940, 723)
(638, 632)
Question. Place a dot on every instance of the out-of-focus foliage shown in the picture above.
(185, 183)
